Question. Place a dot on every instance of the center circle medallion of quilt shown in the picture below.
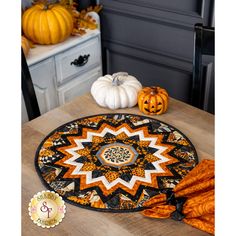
(114, 162)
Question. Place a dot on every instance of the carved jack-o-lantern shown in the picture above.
(153, 100)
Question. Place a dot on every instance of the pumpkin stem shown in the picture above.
(154, 90)
(116, 82)
(46, 6)
(47, 3)
(116, 78)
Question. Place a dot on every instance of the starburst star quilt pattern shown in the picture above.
(114, 162)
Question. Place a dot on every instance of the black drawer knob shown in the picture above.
(82, 60)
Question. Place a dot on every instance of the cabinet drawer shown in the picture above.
(78, 86)
(66, 70)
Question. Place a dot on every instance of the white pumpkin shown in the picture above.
(119, 90)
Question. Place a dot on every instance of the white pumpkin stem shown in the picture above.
(116, 81)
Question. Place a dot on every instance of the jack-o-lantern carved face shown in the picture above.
(153, 100)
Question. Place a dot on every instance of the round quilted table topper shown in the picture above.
(114, 162)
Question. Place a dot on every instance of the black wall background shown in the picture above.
(153, 40)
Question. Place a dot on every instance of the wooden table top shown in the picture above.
(196, 124)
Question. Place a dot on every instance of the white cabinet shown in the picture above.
(63, 71)
(78, 86)
(43, 77)
(64, 61)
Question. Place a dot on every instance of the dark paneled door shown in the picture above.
(153, 40)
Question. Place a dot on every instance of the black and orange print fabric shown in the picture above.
(114, 162)
(197, 188)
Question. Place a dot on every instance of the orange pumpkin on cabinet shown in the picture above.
(47, 23)
(153, 100)
(25, 45)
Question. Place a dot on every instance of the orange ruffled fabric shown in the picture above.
(198, 188)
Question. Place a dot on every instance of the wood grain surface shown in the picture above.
(196, 124)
